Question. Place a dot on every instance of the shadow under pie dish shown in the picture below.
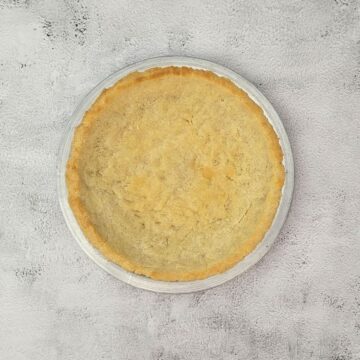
(175, 173)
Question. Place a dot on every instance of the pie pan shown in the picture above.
(184, 286)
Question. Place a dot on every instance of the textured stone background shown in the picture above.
(302, 301)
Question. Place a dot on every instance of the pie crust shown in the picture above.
(175, 174)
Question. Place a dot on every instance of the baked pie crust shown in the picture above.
(175, 173)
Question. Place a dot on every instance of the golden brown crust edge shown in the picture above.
(82, 217)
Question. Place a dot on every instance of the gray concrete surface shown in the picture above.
(302, 301)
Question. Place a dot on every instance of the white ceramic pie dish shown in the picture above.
(186, 286)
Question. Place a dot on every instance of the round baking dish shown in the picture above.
(186, 286)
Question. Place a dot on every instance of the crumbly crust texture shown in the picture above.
(175, 174)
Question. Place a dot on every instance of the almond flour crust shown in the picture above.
(175, 174)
